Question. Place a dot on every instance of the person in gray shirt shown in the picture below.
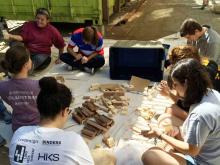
(203, 37)
(199, 141)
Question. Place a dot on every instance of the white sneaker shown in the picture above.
(69, 68)
(89, 70)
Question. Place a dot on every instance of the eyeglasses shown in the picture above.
(70, 110)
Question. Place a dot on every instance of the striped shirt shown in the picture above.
(86, 49)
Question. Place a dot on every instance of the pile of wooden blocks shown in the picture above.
(83, 115)
(113, 98)
(96, 112)
(145, 112)
(101, 125)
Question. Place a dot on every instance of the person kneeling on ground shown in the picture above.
(48, 143)
(90, 55)
(198, 141)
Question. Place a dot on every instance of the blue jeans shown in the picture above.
(40, 61)
(4, 114)
(96, 62)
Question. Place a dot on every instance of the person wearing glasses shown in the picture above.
(48, 143)
(39, 36)
(90, 55)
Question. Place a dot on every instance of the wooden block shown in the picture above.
(148, 115)
(113, 110)
(97, 146)
(94, 87)
(109, 102)
(88, 132)
(90, 113)
(136, 129)
(85, 113)
(100, 122)
(91, 128)
(106, 119)
(92, 100)
(110, 114)
(102, 108)
(117, 103)
(112, 93)
(86, 97)
(110, 87)
(77, 118)
(123, 98)
(79, 112)
(124, 112)
(96, 125)
(89, 105)
(60, 79)
(109, 142)
(104, 101)
(88, 137)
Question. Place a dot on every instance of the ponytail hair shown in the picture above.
(15, 58)
(53, 98)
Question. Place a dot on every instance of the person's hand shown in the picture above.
(173, 132)
(163, 88)
(6, 35)
(78, 57)
(153, 132)
(84, 60)
(58, 61)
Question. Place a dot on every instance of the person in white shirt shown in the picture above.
(47, 143)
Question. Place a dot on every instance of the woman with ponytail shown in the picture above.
(48, 143)
(20, 92)
(90, 50)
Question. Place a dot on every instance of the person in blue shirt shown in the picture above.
(90, 55)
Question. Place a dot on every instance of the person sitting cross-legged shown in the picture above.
(90, 55)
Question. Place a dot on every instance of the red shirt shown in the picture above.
(40, 40)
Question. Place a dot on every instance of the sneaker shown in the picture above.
(71, 68)
(89, 70)
(203, 7)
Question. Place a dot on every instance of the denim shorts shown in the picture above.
(190, 160)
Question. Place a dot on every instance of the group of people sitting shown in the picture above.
(39, 36)
(41, 107)
(193, 85)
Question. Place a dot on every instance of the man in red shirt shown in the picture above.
(39, 36)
